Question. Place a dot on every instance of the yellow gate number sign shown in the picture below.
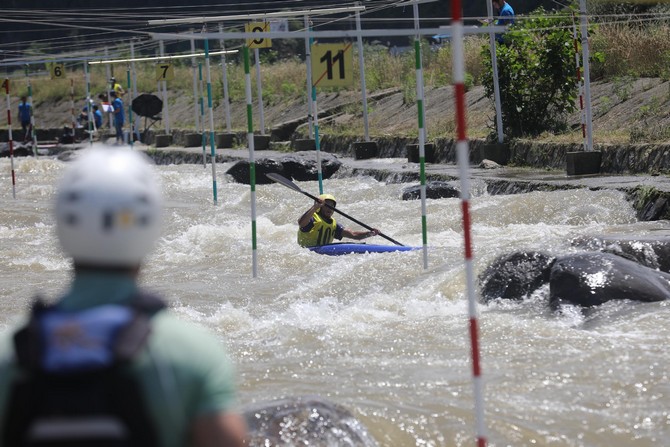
(332, 65)
(258, 27)
(57, 71)
(164, 72)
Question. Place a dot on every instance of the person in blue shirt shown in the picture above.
(25, 113)
(97, 117)
(119, 116)
(505, 14)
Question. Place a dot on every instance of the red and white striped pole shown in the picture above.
(463, 163)
(580, 87)
(11, 140)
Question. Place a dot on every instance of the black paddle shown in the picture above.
(289, 184)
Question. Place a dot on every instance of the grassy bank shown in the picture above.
(631, 50)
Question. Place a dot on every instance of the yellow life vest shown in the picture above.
(322, 233)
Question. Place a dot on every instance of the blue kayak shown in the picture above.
(347, 248)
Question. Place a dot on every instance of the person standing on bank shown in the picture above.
(119, 116)
(116, 87)
(318, 227)
(107, 364)
(25, 115)
(505, 14)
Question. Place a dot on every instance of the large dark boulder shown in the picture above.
(305, 421)
(434, 190)
(515, 276)
(592, 278)
(241, 174)
(300, 166)
(651, 251)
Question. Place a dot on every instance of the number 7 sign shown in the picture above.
(332, 65)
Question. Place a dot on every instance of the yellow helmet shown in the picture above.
(328, 197)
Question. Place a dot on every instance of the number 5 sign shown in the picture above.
(332, 65)
(164, 72)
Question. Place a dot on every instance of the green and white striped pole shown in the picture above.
(317, 139)
(226, 96)
(130, 108)
(196, 112)
(72, 112)
(211, 120)
(33, 133)
(89, 104)
(422, 133)
(252, 163)
(201, 101)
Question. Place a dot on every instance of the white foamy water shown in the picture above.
(378, 333)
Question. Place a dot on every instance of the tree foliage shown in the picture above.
(536, 72)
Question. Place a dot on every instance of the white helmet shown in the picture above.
(108, 208)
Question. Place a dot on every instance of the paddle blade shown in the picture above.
(283, 180)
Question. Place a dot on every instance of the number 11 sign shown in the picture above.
(332, 65)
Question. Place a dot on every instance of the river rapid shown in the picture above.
(378, 333)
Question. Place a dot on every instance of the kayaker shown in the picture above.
(318, 227)
(107, 364)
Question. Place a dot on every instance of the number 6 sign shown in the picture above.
(332, 65)
(57, 71)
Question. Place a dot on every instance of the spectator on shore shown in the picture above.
(25, 116)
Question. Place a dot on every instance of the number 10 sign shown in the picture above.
(332, 65)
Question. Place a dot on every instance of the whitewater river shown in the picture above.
(377, 333)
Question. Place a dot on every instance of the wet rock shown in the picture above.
(308, 421)
(515, 276)
(650, 251)
(241, 174)
(434, 190)
(300, 166)
(592, 278)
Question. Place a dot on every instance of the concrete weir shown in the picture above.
(648, 194)
(639, 171)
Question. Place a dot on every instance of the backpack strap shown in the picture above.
(133, 336)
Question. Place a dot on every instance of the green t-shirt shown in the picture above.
(184, 371)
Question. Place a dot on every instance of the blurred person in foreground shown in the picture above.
(107, 364)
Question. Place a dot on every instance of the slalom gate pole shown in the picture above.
(133, 92)
(73, 117)
(317, 138)
(308, 62)
(89, 104)
(131, 131)
(259, 90)
(11, 140)
(422, 132)
(252, 163)
(194, 68)
(463, 149)
(211, 120)
(164, 91)
(33, 133)
(580, 86)
(361, 68)
(226, 96)
(588, 117)
(201, 101)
